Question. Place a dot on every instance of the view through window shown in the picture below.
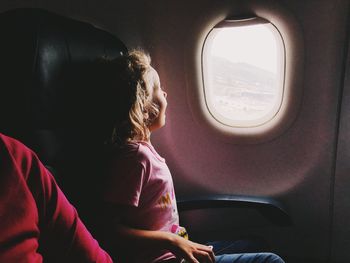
(243, 69)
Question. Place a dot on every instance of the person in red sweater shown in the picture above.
(37, 223)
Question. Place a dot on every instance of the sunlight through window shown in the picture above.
(243, 72)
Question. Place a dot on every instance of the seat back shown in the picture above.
(51, 98)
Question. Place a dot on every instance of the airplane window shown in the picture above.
(243, 72)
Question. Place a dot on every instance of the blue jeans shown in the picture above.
(237, 251)
(249, 258)
(240, 252)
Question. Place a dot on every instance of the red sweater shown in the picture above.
(37, 223)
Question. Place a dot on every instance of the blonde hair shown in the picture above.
(136, 82)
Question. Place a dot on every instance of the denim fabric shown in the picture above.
(238, 246)
(241, 251)
(249, 258)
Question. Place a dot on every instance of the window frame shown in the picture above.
(292, 34)
(240, 22)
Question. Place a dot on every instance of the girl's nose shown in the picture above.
(165, 94)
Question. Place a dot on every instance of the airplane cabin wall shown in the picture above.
(296, 167)
(341, 227)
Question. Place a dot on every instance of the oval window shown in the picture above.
(243, 72)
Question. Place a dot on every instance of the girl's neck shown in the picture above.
(146, 140)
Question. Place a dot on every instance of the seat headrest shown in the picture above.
(39, 52)
(45, 69)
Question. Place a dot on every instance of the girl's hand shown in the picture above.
(190, 251)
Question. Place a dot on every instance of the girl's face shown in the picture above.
(159, 98)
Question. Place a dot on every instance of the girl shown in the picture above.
(139, 185)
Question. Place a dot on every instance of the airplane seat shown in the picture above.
(51, 94)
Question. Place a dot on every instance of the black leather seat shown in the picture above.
(52, 98)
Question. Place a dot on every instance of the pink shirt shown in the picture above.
(140, 178)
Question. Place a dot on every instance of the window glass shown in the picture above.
(243, 72)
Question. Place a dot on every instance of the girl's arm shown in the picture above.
(159, 240)
(126, 238)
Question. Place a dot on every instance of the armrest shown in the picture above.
(271, 209)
